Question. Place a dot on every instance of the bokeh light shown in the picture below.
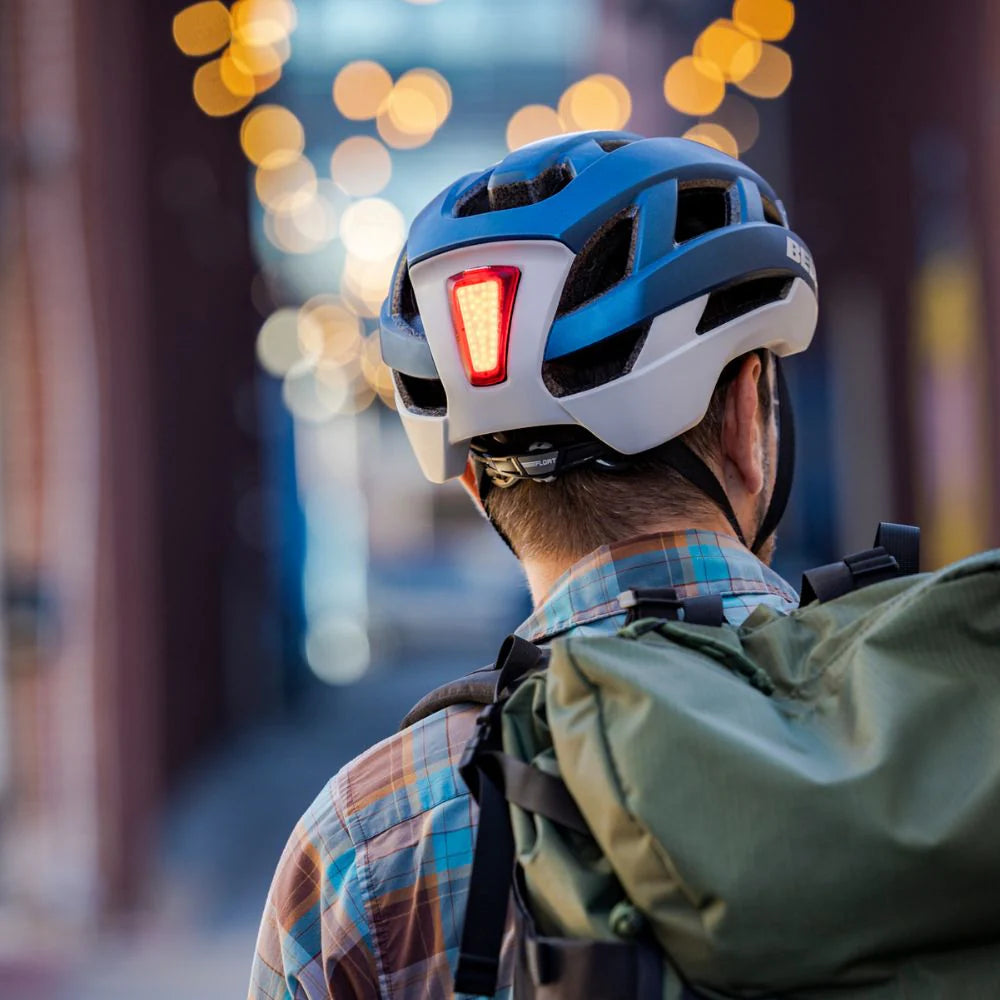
(308, 398)
(694, 86)
(395, 137)
(732, 50)
(376, 372)
(740, 118)
(287, 186)
(419, 103)
(373, 229)
(360, 89)
(365, 283)
(772, 75)
(280, 341)
(260, 60)
(330, 331)
(714, 135)
(532, 123)
(771, 19)
(262, 22)
(272, 136)
(237, 81)
(202, 28)
(600, 101)
(305, 226)
(337, 648)
(267, 81)
(361, 165)
(213, 94)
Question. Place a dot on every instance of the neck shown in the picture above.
(543, 572)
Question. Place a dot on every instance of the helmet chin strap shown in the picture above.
(493, 472)
(696, 472)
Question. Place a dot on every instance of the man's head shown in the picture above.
(596, 322)
(563, 520)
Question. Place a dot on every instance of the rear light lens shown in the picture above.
(482, 301)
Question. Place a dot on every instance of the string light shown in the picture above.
(287, 186)
(361, 166)
(373, 230)
(734, 52)
(213, 95)
(271, 136)
(737, 51)
(694, 86)
(600, 101)
(771, 76)
(740, 118)
(202, 28)
(531, 123)
(714, 135)
(771, 20)
(360, 89)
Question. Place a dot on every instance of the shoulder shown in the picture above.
(410, 773)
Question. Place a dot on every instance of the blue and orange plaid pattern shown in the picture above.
(369, 896)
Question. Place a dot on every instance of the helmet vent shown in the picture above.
(610, 145)
(404, 299)
(771, 212)
(596, 364)
(701, 207)
(475, 201)
(605, 259)
(736, 300)
(521, 193)
(425, 396)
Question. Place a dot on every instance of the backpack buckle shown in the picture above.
(485, 739)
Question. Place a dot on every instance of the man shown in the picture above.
(587, 333)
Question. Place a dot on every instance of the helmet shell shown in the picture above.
(700, 268)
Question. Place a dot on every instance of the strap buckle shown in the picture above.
(663, 602)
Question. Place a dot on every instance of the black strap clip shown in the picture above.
(663, 602)
(896, 553)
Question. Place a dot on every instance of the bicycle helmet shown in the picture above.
(577, 302)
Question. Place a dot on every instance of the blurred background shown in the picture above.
(222, 574)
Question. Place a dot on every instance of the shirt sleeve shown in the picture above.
(315, 940)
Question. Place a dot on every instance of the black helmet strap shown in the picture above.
(502, 471)
(698, 474)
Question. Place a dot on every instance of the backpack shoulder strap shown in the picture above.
(482, 686)
(896, 553)
(475, 688)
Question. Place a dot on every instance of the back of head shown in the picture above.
(564, 315)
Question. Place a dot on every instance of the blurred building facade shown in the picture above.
(159, 503)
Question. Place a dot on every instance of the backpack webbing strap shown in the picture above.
(489, 893)
(902, 542)
(602, 970)
(896, 553)
(533, 790)
(569, 968)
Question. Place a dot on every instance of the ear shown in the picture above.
(468, 480)
(742, 435)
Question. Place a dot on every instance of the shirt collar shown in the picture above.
(692, 562)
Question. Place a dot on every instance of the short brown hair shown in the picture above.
(589, 507)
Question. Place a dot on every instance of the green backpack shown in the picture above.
(806, 806)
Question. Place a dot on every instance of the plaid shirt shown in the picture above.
(369, 896)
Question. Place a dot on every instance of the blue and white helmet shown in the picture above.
(598, 280)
